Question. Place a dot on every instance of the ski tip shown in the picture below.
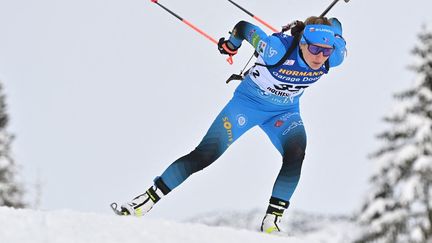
(116, 210)
(113, 205)
(154, 1)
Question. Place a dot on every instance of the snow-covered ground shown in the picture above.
(303, 226)
(30, 226)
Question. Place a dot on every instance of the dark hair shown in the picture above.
(299, 26)
(317, 20)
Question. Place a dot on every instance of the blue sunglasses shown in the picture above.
(315, 50)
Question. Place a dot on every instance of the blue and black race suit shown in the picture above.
(268, 98)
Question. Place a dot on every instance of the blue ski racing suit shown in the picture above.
(267, 97)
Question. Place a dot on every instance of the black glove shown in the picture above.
(297, 28)
(226, 47)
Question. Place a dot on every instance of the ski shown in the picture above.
(117, 210)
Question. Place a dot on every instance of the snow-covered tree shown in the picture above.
(399, 206)
(11, 192)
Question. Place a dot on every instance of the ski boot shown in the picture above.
(143, 203)
(272, 219)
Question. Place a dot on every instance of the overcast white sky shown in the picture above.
(103, 95)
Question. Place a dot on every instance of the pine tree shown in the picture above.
(11, 192)
(399, 207)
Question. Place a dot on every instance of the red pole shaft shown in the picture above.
(266, 24)
(199, 31)
(254, 16)
(229, 59)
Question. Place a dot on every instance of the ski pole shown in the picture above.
(268, 25)
(330, 7)
(254, 16)
(239, 76)
(229, 60)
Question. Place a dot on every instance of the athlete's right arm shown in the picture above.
(270, 48)
(246, 31)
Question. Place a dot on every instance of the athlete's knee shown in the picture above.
(294, 153)
(203, 156)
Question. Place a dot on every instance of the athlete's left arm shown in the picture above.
(340, 44)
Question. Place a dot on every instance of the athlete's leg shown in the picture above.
(233, 121)
(287, 133)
